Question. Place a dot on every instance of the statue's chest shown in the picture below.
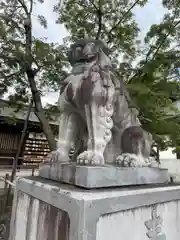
(73, 89)
(79, 73)
(75, 81)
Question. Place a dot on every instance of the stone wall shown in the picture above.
(173, 166)
(161, 221)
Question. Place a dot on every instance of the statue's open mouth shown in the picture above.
(86, 59)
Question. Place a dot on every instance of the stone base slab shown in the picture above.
(103, 176)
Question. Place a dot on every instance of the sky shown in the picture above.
(152, 13)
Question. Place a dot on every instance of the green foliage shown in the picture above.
(47, 60)
(42, 21)
(109, 20)
(159, 69)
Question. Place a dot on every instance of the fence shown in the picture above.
(11, 174)
(5, 197)
(5, 207)
(31, 166)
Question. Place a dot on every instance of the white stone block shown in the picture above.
(46, 210)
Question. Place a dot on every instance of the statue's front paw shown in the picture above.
(57, 156)
(130, 160)
(90, 158)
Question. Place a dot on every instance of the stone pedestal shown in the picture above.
(103, 176)
(47, 210)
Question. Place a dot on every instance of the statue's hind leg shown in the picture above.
(134, 142)
(135, 146)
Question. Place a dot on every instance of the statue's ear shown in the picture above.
(107, 50)
(104, 59)
(70, 56)
(104, 47)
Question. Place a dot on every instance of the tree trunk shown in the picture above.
(177, 149)
(39, 111)
(178, 154)
(31, 73)
(46, 128)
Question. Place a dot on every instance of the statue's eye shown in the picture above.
(78, 50)
(88, 48)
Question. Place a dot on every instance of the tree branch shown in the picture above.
(99, 14)
(157, 49)
(31, 6)
(21, 2)
(164, 39)
(28, 44)
(9, 21)
(10, 75)
(149, 52)
(38, 66)
(11, 6)
(120, 20)
(94, 5)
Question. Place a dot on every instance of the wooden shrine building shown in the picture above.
(35, 146)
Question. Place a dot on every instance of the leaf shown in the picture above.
(139, 88)
(42, 21)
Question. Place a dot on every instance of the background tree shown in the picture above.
(162, 59)
(173, 17)
(149, 68)
(27, 64)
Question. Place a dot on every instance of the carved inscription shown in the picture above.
(154, 226)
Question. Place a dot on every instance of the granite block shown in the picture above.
(103, 176)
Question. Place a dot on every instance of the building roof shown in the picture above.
(11, 111)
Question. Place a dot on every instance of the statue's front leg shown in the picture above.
(99, 124)
(69, 129)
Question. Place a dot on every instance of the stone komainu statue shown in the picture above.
(95, 117)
